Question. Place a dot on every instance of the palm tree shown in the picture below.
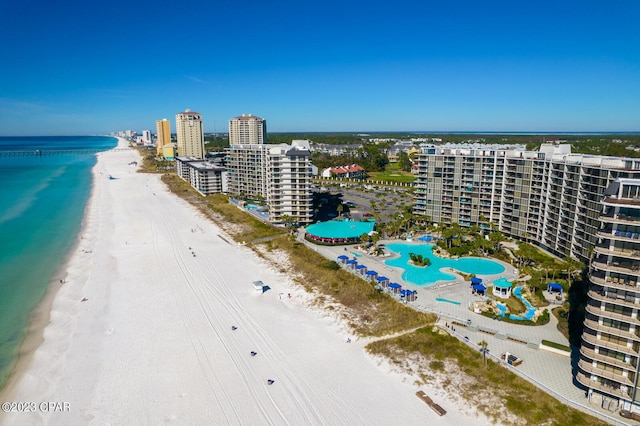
(483, 347)
(573, 267)
(289, 222)
(340, 209)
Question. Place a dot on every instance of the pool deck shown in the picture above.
(548, 370)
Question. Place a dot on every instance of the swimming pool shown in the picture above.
(340, 229)
(424, 276)
(529, 314)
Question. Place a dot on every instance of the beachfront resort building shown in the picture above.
(549, 198)
(190, 134)
(247, 129)
(288, 175)
(203, 175)
(247, 170)
(163, 135)
(609, 362)
(279, 174)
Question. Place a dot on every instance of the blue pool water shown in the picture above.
(356, 254)
(531, 311)
(441, 299)
(340, 229)
(430, 274)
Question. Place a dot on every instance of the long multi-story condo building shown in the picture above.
(204, 176)
(163, 135)
(190, 134)
(549, 198)
(247, 129)
(609, 364)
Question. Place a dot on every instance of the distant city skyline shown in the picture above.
(495, 66)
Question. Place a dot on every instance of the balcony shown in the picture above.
(590, 338)
(620, 218)
(610, 375)
(591, 354)
(596, 326)
(616, 266)
(594, 309)
(618, 252)
(620, 235)
(610, 297)
(583, 379)
(629, 284)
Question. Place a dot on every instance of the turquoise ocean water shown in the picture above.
(42, 201)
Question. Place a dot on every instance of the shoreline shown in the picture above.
(40, 315)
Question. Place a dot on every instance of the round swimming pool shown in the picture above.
(424, 276)
(339, 229)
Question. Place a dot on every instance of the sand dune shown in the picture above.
(152, 342)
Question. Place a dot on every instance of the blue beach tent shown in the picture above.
(554, 287)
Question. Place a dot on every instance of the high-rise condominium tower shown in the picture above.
(609, 357)
(163, 134)
(190, 134)
(247, 129)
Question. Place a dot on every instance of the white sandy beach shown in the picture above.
(152, 343)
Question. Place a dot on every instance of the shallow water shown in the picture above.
(43, 200)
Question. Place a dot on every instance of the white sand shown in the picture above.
(153, 344)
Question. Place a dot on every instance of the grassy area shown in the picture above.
(444, 358)
(562, 315)
(151, 163)
(514, 305)
(392, 173)
(556, 345)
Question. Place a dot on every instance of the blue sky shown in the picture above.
(71, 67)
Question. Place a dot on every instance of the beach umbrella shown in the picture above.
(394, 287)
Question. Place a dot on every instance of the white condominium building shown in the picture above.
(549, 198)
(247, 129)
(289, 182)
(190, 134)
(205, 177)
(146, 137)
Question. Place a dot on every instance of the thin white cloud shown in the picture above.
(196, 79)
